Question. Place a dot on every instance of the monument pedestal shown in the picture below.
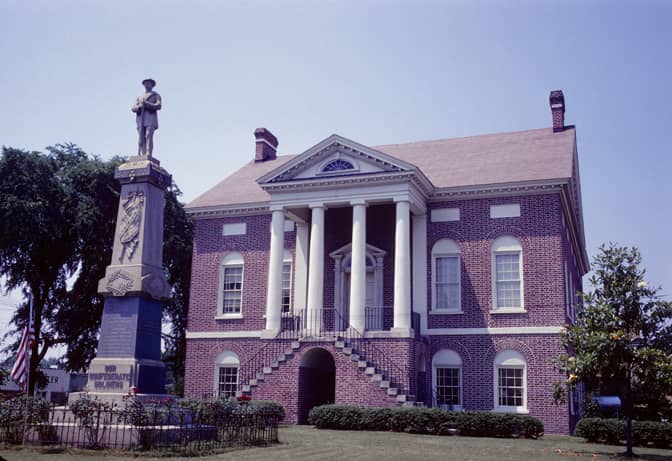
(128, 358)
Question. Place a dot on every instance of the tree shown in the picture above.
(622, 339)
(177, 255)
(57, 220)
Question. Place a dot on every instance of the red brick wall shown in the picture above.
(210, 247)
(540, 233)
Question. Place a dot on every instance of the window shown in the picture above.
(231, 285)
(287, 283)
(447, 379)
(227, 365)
(338, 165)
(446, 270)
(510, 380)
(507, 274)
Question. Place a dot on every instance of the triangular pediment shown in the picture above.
(334, 157)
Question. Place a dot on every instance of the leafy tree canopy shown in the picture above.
(57, 220)
(622, 339)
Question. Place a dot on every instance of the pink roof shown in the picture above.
(457, 162)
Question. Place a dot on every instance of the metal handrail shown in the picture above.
(397, 374)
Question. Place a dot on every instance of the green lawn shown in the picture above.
(306, 443)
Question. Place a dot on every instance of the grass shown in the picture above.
(300, 443)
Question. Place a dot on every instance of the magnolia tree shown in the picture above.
(622, 339)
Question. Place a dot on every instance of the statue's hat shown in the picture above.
(149, 80)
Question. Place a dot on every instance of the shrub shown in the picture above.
(376, 419)
(336, 417)
(14, 413)
(652, 433)
(612, 431)
(268, 408)
(422, 420)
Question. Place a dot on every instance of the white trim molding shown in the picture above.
(222, 334)
(549, 330)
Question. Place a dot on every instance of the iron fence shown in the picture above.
(164, 426)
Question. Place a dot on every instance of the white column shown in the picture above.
(358, 267)
(402, 268)
(274, 287)
(420, 268)
(301, 267)
(316, 270)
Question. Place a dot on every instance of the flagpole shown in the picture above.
(29, 356)
(30, 348)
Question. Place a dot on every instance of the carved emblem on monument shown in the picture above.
(120, 283)
(129, 229)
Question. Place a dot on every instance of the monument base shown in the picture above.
(120, 375)
(117, 398)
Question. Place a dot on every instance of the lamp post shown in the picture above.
(634, 344)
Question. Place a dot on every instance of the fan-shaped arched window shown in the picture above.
(227, 364)
(337, 165)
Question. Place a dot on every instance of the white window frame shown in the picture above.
(507, 245)
(231, 260)
(226, 359)
(446, 248)
(287, 259)
(509, 359)
(447, 358)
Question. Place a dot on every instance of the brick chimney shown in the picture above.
(557, 100)
(266, 144)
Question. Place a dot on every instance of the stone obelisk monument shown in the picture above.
(135, 285)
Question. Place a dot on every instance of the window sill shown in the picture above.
(228, 316)
(514, 410)
(508, 310)
(445, 312)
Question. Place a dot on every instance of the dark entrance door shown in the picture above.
(317, 381)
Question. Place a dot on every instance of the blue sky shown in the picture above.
(376, 72)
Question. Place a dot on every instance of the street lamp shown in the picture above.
(634, 344)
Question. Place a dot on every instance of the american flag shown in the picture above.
(21, 368)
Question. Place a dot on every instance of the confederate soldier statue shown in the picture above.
(145, 108)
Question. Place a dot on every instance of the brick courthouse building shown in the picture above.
(435, 272)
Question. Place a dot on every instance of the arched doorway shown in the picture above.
(317, 381)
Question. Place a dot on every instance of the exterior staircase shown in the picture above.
(373, 371)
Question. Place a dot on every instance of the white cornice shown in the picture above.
(243, 209)
(494, 190)
(222, 334)
(549, 330)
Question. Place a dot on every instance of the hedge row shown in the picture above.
(612, 431)
(422, 420)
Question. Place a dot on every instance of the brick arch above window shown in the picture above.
(455, 345)
(510, 344)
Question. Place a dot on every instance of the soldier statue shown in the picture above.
(145, 108)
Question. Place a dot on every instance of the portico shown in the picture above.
(358, 268)
(336, 174)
